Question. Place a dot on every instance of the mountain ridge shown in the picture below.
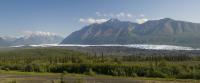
(163, 31)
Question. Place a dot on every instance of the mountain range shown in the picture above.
(163, 31)
(31, 39)
(38, 39)
(6, 40)
(157, 32)
(3, 42)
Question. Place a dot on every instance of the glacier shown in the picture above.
(138, 46)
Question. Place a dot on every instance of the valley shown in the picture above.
(99, 64)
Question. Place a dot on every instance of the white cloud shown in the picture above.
(121, 14)
(101, 14)
(124, 15)
(141, 21)
(139, 18)
(116, 15)
(92, 20)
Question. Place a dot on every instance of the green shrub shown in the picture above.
(90, 72)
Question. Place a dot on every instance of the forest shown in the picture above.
(138, 63)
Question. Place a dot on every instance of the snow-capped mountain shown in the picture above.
(3, 42)
(6, 40)
(38, 38)
(31, 38)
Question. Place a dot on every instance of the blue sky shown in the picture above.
(65, 16)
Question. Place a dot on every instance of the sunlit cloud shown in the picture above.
(142, 20)
(103, 17)
(92, 20)
(115, 15)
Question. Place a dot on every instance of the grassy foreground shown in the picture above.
(35, 77)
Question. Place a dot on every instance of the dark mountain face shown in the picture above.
(168, 31)
(163, 31)
(107, 32)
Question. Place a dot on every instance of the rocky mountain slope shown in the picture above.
(163, 31)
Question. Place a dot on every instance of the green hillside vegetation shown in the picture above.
(59, 60)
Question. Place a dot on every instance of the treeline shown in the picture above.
(162, 69)
(124, 51)
(60, 60)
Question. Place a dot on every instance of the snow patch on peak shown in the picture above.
(29, 34)
(8, 38)
(39, 33)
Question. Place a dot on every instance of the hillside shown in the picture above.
(163, 31)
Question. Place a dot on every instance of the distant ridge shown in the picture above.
(3, 42)
(31, 39)
(164, 31)
(38, 39)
